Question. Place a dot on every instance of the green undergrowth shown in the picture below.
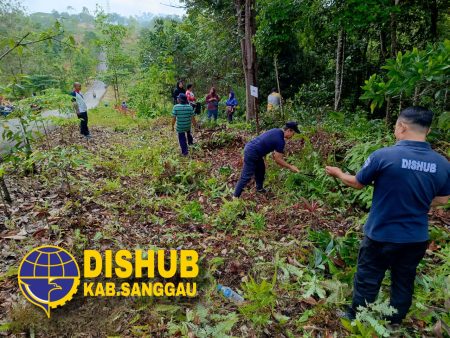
(292, 254)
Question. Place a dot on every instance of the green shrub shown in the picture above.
(229, 214)
(255, 220)
(260, 303)
(191, 212)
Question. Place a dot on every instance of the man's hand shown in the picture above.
(294, 169)
(334, 171)
(349, 180)
(278, 158)
(174, 120)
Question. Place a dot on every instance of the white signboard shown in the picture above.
(253, 91)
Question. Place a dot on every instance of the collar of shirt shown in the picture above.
(416, 144)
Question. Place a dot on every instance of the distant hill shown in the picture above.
(45, 20)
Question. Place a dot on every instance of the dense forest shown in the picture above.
(344, 71)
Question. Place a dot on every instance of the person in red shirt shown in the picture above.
(190, 95)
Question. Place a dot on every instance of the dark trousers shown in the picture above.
(183, 143)
(213, 113)
(373, 260)
(230, 111)
(84, 130)
(253, 166)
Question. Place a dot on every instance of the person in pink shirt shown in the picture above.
(190, 95)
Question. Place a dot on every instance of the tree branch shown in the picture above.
(20, 43)
(173, 6)
(15, 46)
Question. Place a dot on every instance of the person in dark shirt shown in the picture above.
(408, 179)
(254, 152)
(178, 90)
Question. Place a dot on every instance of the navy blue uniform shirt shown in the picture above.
(406, 178)
(271, 140)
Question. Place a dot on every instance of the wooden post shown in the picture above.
(278, 86)
(256, 114)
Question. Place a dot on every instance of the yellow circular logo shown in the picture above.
(48, 276)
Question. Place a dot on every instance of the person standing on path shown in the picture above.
(212, 104)
(178, 90)
(184, 117)
(80, 107)
(409, 178)
(254, 152)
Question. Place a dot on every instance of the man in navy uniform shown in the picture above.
(254, 152)
(408, 178)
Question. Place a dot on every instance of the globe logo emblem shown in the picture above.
(48, 276)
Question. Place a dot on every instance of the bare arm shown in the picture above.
(174, 119)
(439, 200)
(75, 107)
(194, 122)
(278, 158)
(347, 179)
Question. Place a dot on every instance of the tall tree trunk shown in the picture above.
(247, 24)
(394, 44)
(339, 69)
(116, 87)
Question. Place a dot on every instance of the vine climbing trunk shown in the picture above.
(339, 69)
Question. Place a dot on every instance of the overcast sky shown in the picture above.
(122, 7)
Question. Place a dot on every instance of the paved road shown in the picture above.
(97, 87)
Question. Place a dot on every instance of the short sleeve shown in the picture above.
(369, 171)
(445, 190)
(279, 146)
(174, 111)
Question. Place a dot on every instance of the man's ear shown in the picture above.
(403, 126)
(428, 131)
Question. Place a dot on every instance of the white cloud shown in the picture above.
(122, 7)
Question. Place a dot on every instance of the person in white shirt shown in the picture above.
(80, 107)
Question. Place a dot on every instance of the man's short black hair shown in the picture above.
(417, 115)
(189, 86)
